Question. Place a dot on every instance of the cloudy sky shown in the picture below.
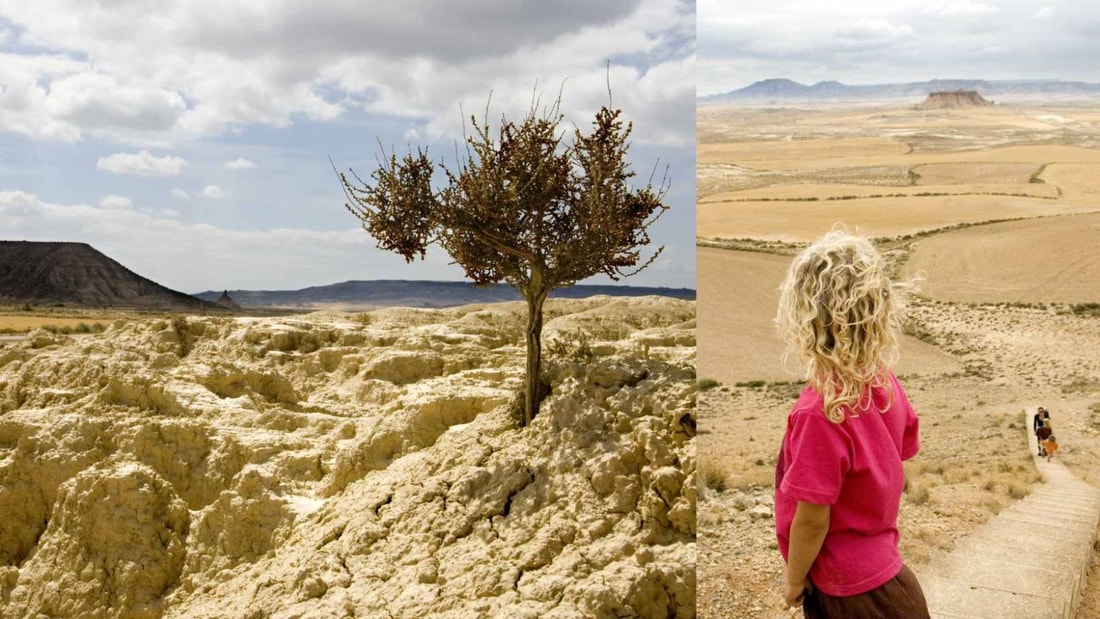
(888, 41)
(190, 140)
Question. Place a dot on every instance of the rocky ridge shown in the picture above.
(55, 273)
(340, 465)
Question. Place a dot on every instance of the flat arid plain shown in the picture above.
(995, 211)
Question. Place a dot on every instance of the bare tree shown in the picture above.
(525, 208)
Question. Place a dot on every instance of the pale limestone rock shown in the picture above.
(760, 511)
(114, 546)
(333, 464)
(9, 577)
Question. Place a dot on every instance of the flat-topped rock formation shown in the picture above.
(949, 99)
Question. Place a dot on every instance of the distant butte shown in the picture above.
(227, 301)
(948, 99)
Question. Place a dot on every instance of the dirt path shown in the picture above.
(987, 570)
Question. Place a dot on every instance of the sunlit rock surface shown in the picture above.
(340, 465)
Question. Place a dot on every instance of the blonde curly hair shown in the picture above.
(840, 312)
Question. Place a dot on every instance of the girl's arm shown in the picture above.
(808, 529)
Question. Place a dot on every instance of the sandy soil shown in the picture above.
(986, 360)
(1050, 260)
(974, 173)
(1076, 180)
(737, 302)
(731, 286)
(15, 318)
(803, 154)
(877, 217)
(22, 323)
(813, 155)
(813, 192)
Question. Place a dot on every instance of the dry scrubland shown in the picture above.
(18, 320)
(1006, 315)
(341, 465)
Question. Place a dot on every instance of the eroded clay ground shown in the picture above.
(342, 465)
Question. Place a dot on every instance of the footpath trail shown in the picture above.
(1030, 560)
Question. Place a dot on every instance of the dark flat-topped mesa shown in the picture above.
(778, 90)
(946, 99)
(78, 274)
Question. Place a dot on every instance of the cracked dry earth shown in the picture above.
(343, 465)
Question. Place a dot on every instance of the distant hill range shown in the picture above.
(77, 274)
(785, 89)
(386, 293)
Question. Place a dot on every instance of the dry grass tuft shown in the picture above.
(712, 476)
(917, 495)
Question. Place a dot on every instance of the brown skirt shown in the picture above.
(899, 598)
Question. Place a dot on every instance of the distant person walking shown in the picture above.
(839, 475)
(1050, 447)
(1043, 430)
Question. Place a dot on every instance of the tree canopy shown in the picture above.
(523, 207)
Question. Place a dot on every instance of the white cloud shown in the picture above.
(574, 61)
(874, 30)
(963, 7)
(240, 163)
(141, 163)
(178, 193)
(1045, 12)
(24, 98)
(740, 43)
(214, 192)
(201, 70)
(114, 202)
(96, 101)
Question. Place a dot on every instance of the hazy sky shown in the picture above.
(888, 41)
(189, 140)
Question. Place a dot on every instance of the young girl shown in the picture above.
(1050, 447)
(839, 476)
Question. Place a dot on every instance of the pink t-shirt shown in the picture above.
(854, 467)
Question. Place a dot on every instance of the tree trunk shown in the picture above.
(533, 395)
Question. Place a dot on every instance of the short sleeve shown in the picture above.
(910, 443)
(910, 440)
(818, 458)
